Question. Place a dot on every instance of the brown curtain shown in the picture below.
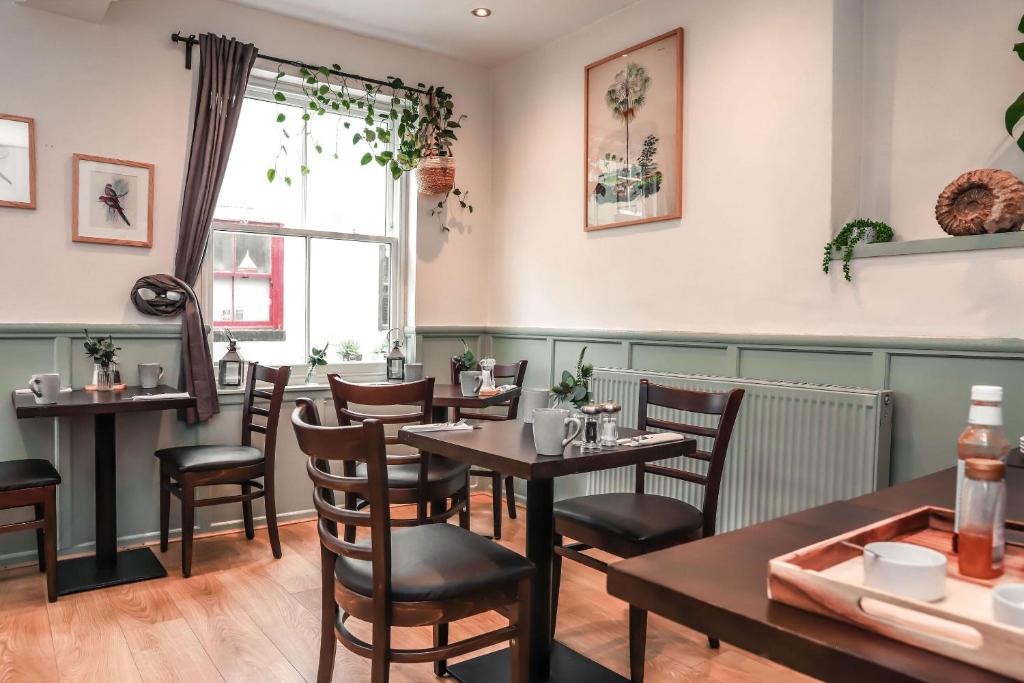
(224, 66)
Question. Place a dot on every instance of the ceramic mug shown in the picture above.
(413, 372)
(549, 430)
(45, 387)
(531, 400)
(150, 375)
(471, 381)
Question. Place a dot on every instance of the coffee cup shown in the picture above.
(45, 387)
(413, 372)
(531, 400)
(552, 432)
(471, 381)
(150, 375)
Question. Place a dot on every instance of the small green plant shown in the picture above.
(1015, 112)
(317, 357)
(465, 360)
(350, 350)
(102, 351)
(847, 238)
(440, 209)
(382, 350)
(575, 389)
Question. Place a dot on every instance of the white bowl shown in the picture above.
(906, 570)
(1008, 604)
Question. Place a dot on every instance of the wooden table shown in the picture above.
(718, 586)
(107, 567)
(450, 396)
(508, 448)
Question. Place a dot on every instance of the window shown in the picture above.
(312, 263)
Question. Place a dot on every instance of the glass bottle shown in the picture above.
(982, 508)
(983, 438)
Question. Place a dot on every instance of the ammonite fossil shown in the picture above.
(983, 201)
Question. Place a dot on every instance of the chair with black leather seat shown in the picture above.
(428, 575)
(515, 373)
(33, 482)
(418, 478)
(631, 524)
(185, 468)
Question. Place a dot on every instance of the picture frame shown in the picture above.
(17, 162)
(112, 201)
(633, 135)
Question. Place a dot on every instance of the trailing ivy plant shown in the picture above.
(440, 209)
(397, 124)
(848, 237)
(1015, 112)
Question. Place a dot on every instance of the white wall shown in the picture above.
(759, 127)
(119, 89)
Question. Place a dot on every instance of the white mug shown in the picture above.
(413, 372)
(471, 381)
(533, 399)
(150, 375)
(549, 430)
(45, 387)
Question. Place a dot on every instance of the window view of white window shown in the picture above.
(306, 264)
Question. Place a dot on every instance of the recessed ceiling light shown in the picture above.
(481, 12)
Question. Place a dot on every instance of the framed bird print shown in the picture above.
(112, 201)
(633, 135)
(17, 162)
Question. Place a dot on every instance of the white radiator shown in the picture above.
(794, 446)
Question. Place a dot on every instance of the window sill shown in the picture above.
(938, 245)
(353, 372)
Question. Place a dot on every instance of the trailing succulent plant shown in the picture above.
(575, 389)
(849, 236)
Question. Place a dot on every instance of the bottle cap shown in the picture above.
(984, 392)
(985, 469)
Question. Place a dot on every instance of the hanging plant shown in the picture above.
(401, 127)
(860, 230)
(1015, 112)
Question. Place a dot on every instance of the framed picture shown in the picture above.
(112, 201)
(633, 135)
(17, 162)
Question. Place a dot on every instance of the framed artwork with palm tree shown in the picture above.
(633, 135)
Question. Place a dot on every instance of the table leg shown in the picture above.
(438, 414)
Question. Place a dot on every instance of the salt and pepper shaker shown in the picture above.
(609, 425)
(591, 414)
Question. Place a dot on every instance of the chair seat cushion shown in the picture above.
(27, 474)
(407, 476)
(196, 458)
(437, 562)
(638, 517)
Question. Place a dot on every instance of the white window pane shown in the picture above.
(246, 195)
(343, 195)
(345, 296)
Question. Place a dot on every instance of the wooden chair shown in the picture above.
(418, 478)
(185, 468)
(429, 575)
(516, 372)
(34, 482)
(631, 524)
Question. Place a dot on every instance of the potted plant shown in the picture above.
(465, 360)
(381, 350)
(317, 358)
(350, 350)
(857, 231)
(575, 389)
(104, 356)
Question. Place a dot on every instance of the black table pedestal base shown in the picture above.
(567, 666)
(84, 573)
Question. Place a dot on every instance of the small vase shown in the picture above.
(103, 377)
(310, 374)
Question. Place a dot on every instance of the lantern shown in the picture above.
(230, 368)
(396, 359)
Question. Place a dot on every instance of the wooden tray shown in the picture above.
(113, 387)
(827, 578)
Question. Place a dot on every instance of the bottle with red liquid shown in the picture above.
(982, 508)
(983, 438)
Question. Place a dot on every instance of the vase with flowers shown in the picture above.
(104, 356)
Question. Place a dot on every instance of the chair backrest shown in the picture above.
(724, 404)
(269, 409)
(515, 373)
(353, 444)
(411, 394)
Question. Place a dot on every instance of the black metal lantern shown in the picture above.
(396, 359)
(231, 368)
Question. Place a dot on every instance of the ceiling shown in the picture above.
(447, 27)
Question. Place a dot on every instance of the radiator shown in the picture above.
(794, 446)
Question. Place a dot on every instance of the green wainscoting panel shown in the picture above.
(436, 352)
(699, 360)
(844, 369)
(536, 351)
(600, 353)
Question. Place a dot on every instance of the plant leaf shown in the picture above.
(271, 174)
(1014, 113)
(279, 96)
(367, 158)
(280, 118)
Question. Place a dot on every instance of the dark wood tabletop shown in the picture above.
(450, 396)
(82, 402)
(507, 447)
(718, 586)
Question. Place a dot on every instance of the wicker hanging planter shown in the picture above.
(436, 175)
(979, 202)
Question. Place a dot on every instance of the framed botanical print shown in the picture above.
(17, 162)
(633, 130)
(112, 201)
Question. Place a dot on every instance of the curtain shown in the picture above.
(224, 66)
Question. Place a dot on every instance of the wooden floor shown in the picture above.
(244, 616)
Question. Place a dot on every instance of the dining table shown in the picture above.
(718, 586)
(108, 566)
(448, 396)
(508, 447)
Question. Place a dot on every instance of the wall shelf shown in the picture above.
(1004, 240)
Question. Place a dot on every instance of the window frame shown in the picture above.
(261, 87)
(276, 278)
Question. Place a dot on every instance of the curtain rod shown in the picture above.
(191, 41)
